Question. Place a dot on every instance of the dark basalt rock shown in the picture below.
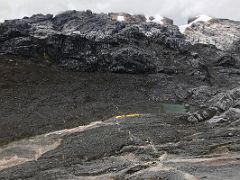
(85, 41)
(176, 115)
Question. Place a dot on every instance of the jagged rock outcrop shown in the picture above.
(223, 33)
(223, 106)
(86, 41)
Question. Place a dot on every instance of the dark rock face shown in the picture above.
(85, 41)
(175, 116)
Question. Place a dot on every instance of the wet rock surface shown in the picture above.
(171, 112)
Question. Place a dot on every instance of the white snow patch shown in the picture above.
(157, 19)
(147, 18)
(76, 32)
(120, 18)
(201, 18)
(182, 28)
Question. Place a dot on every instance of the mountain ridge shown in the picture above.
(105, 41)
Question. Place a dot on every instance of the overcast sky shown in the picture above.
(179, 10)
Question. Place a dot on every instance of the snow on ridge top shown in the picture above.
(120, 18)
(201, 18)
(157, 19)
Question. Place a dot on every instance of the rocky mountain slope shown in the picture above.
(223, 33)
(119, 96)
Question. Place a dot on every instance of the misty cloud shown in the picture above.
(179, 10)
